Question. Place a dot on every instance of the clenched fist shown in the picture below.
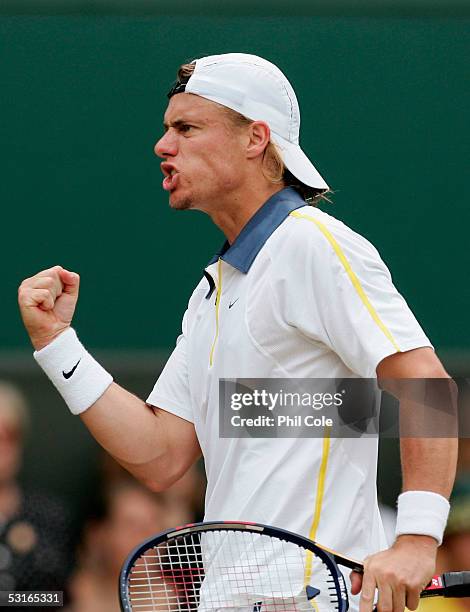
(47, 302)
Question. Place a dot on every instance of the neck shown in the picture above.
(231, 216)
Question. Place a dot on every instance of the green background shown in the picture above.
(384, 97)
(384, 116)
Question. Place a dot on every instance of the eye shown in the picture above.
(185, 127)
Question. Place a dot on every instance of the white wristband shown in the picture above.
(77, 376)
(422, 513)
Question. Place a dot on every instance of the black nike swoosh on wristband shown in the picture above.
(67, 375)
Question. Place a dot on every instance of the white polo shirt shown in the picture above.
(297, 295)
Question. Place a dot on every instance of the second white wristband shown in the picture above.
(422, 513)
(78, 377)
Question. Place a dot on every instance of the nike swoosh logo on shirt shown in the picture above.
(67, 375)
(232, 303)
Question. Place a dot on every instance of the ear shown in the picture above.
(259, 136)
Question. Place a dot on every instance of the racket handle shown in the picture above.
(456, 584)
(449, 584)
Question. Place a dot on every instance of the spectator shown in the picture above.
(35, 551)
(131, 514)
(186, 496)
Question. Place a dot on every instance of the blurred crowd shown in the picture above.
(37, 547)
(38, 552)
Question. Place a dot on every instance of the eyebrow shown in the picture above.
(178, 123)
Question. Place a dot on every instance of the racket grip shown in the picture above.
(456, 584)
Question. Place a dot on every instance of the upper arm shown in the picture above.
(181, 443)
(418, 363)
(428, 400)
(172, 390)
(171, 403)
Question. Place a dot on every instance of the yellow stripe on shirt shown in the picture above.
(318, 506)
(350, 272)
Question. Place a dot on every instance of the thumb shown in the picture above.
(70, 280)
(356, 582)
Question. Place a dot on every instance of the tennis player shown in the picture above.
(293, 293)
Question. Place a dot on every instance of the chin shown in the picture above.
(180, 203)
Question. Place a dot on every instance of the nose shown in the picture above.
(166, 146)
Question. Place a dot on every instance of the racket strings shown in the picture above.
(227, 571)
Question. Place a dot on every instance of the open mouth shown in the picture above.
(171, 176)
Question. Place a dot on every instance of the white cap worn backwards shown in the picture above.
(257, 89)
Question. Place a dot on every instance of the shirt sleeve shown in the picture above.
(171, 391)
(359, 313)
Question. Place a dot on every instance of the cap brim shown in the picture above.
(298, 163)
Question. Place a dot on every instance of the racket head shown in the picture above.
(211, 565)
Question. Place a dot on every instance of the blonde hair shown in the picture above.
(274, 170)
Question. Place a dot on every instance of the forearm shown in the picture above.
(156, 446)
(428, 459)
(429, 434)
(429, 464)
(125, 427)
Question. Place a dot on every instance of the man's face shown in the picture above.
(204, 162)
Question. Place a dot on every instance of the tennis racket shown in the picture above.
(247, 567)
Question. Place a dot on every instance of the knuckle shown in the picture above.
(367, 597)
(391, 577)
(367, 566)
(23, 293)
(47, 282)
(373, 570)
(409, 581)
